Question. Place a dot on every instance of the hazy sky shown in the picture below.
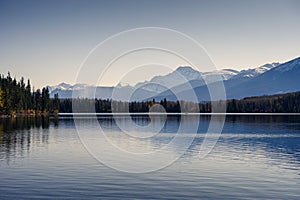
(47, 40)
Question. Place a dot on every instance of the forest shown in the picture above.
(18, 98)
(280, 103)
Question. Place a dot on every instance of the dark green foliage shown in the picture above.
(16, 97)
(282, 103)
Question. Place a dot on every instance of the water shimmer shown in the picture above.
(256, 157)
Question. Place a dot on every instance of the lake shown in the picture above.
(255, 157)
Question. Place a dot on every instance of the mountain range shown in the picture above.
(268, 79)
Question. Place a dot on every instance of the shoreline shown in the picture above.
(158, 114)
(4, 116)
(57, 115)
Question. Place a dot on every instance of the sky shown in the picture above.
(47, 41)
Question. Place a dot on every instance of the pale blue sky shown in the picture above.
(47, 40)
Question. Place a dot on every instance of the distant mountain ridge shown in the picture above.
(267, 79)
(279, 78)
(256, 71)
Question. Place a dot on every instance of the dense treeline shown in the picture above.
(107, 106)
(16, 97)
(281, 103)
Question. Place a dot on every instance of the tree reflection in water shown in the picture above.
(17, 135)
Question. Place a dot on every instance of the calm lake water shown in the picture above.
(256, 157)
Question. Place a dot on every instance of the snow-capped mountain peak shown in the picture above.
(289, 65)
(181, 75)
(251, 73)
(61, 86)
(122, 84)
(225, 74)
(187, 72)
(266, 67)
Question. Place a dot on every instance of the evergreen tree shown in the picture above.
(1, 100)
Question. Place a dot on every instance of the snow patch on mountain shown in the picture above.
(251, 73)
(288, 66)
(66, 87)
(61, 86)
(223, 74)
(180, 76)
